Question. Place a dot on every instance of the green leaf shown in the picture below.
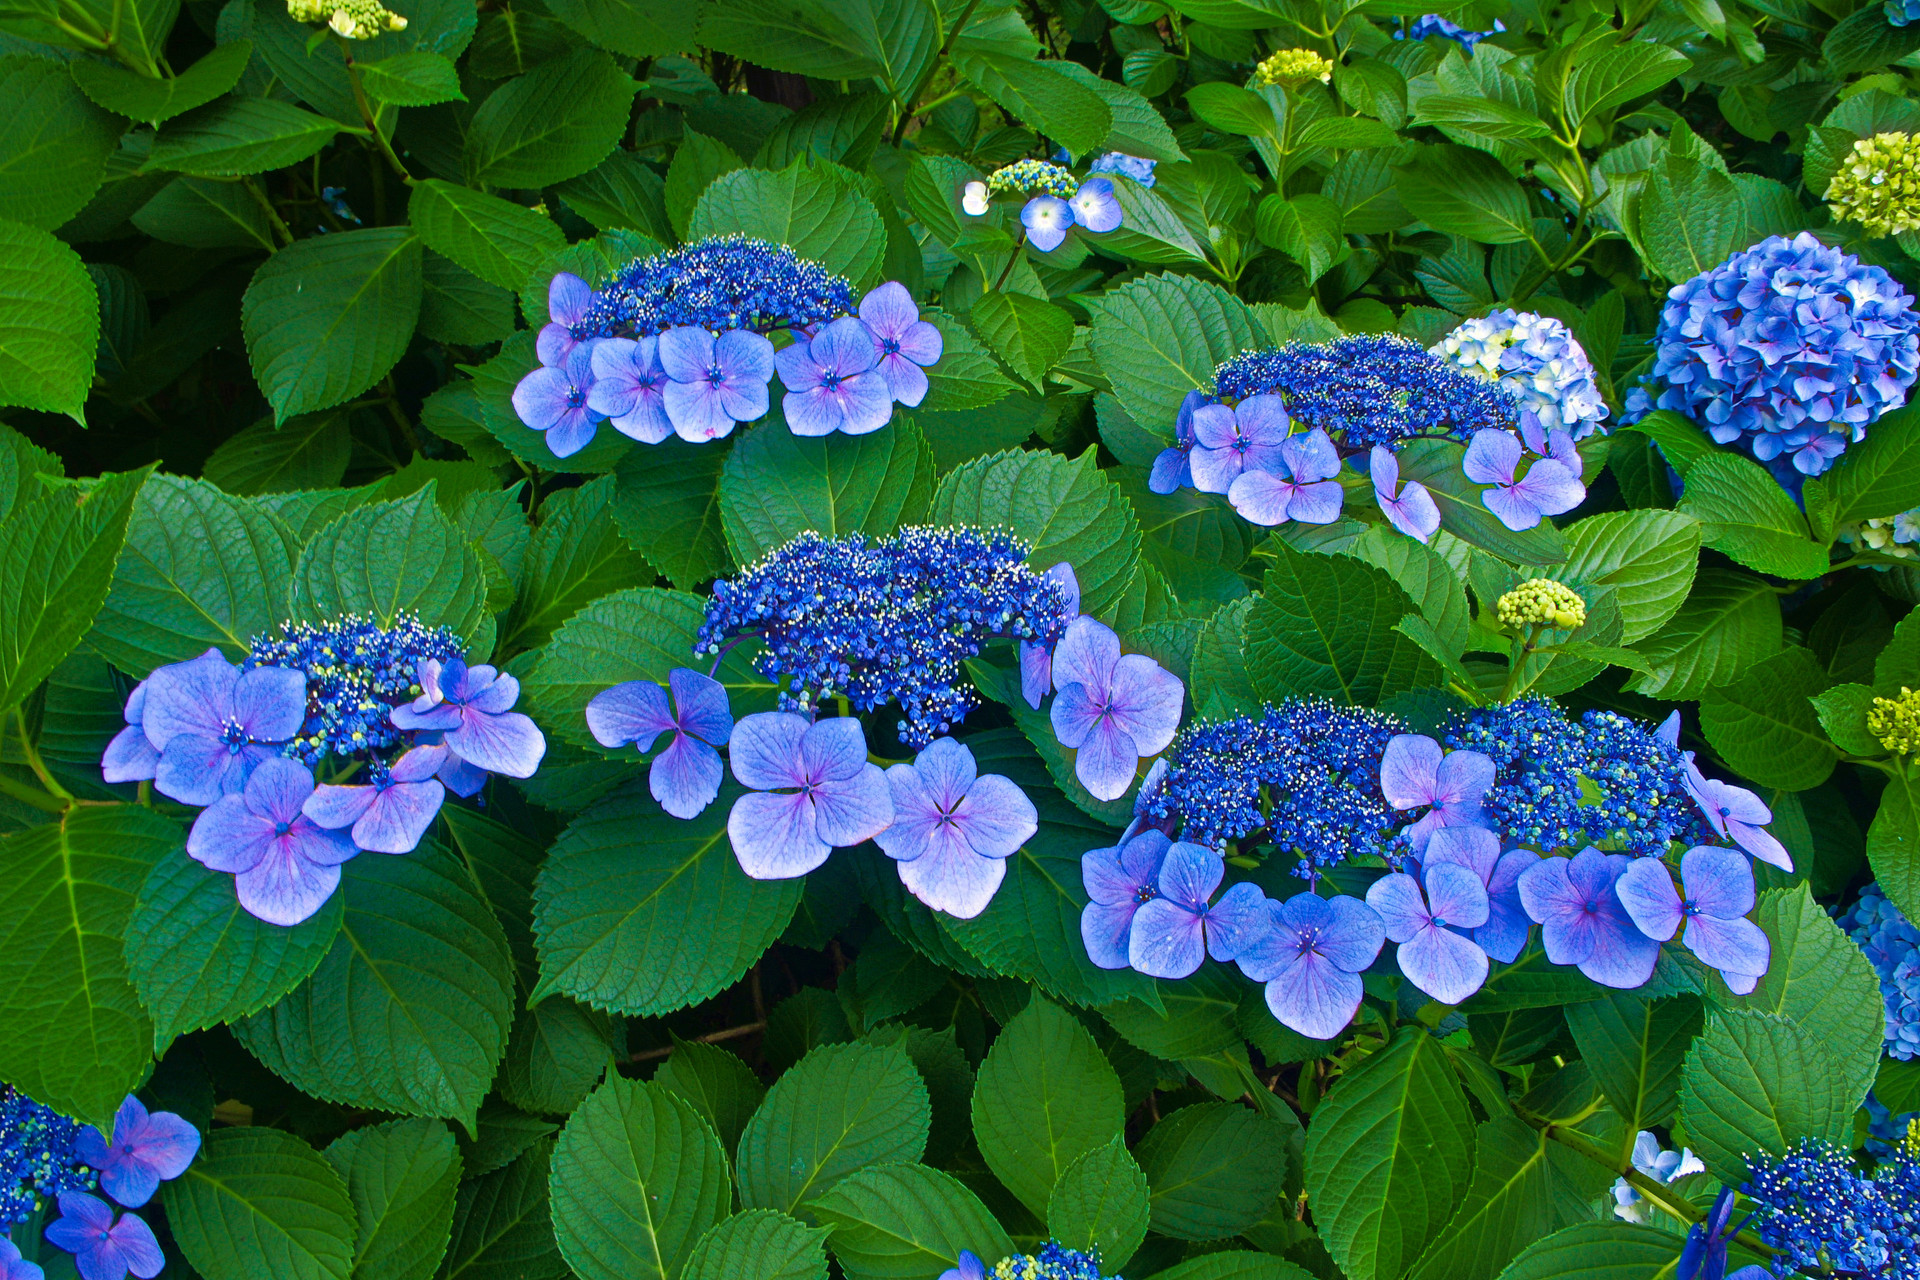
(458, 307)
(576, 556)
(555, 122)
(1647, 557)
(1305, 228)
(843, 1108)
(1690, 218)
(501, 1226)
(498, 240)
(906, 1222)
(409, 1010)
(1159, 337)
(1843, 714)
(1466, 193)
(1893, 841)
(1388, 1157)
(1064, 508)
(414, 79)
(236, 136)
(637, 28)
(1612, 76)
(199, 569)
(1880, 476)
(556, 1052)
(1045, 1096)
(1041, 98)
(57, 554)
(1030, 334)
(966, 377)
(1151, 231)
(199, 959)
(326, 318)
(401, 1177)
(718, 1085)
(1488, 117)
(260, 1202)
(1524, 1186)
(1821, 982)
(615, 895)
(1138, 128)
(777, 485)
(818, 208)
(389, 558)
(1634, 1048)
(1596, 1251)
(1755, 1083)
(622, 192)
(1729, 622)
(1324, 625)
(1099, 1204)
(77, 1038)
(848, 41)
(140, 98)
(206, 213)
(667, 504)
(1463, 509)
(1214, 1169)
(759, 1244)
(1232, 109)
(54, 143)
(1745, 514)
(638, 1177)
(49, 323)
(1764, 725)
(1343, 133)
(1234, 1264)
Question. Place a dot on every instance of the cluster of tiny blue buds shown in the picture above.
(1563, 784)
(37, 1157)
(724, 282)
(1369, 388)
(357, 672)
(1052, 1263)
(1824, 1214)
(1033, 176)
(1306, 773)
(1892, 946)
(890, 622)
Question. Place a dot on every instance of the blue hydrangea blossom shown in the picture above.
(1662, 1165)
(1892, 946)
(1583, 921)
(954, 828)
(104, 1248)
(1057, 201)
(1423, 914)
(144, 1150)
(39, 1156)
(1119, 881)
(1111, 709)
(685, 777)
(1791, 349)
(1710, 917)
(812, 791)
(1824, 1214)
(1181, 925)
(1309, 958)
(1536, 360)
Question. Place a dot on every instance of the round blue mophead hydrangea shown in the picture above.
(1537, 361)
(1892, 945)
(1791, 346)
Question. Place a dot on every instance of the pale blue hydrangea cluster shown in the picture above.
(1058, 202)
(1537, 361)
(1791, 348)
(1432, 24)
(1892, 945)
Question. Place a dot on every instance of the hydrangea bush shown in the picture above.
(946, 640)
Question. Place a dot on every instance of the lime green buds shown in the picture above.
(1896, 722)
(1543, 602)
(354, 19)
(1291, 68)
(1878, 186)
(1033, 176)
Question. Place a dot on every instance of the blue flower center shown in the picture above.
(576, 397)
(281, 828)
(716, 376)
(1144, 894)
(832, 381)
(889, 346)
(234, 735)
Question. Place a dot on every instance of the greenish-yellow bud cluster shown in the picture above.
(1032, 176)
(354, 19)
(1543, 602)
(1291, 67)
(1878, 186)
(1895, 722)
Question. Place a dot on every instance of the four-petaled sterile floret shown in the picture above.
(1542, 602)
(1878, 185)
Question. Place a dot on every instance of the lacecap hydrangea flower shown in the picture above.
(1519, 816)
(1057, 201)
(1892, 946)
(39, 1156)
(1823, 1213)
(1282, 423)
(326, 741)
(1536, 360)
(1052, 1262)
(1790, 348)
(1878, 185)
(676, 344)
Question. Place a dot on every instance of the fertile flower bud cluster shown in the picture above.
(38, 1156)
(390, 717)
(1542, 602)
(887, 622)
(1878, 186)
(1033, 177)
(1892, 946)
(1537, 361)
(354, 19)
(1052, 1262)
(1895, 722)
(676, 345)
(1791, 348)
(1824, 1214)
(1291, 68)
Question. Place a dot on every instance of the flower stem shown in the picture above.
(1018, 244)
(367, 112)
(35, 763)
